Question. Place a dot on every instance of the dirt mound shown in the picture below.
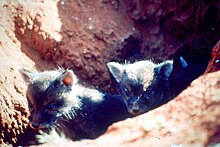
(85, 35)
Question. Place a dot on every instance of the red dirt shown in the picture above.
(85, 35)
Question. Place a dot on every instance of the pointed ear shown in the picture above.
(27, 75)
(183, 62)
(165, 69)
(68, 78)
(116, 70)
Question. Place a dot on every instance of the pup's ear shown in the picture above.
(68, 78)
(116, 70)
(164, 69)
(27, 75)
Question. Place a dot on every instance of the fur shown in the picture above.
(145, 85)
(57, 101)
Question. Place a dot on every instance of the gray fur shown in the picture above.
(49, 97)
(143, 84)
(57, 100)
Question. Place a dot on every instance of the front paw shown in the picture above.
(51, 137)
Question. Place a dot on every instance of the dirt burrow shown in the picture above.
(85, 35)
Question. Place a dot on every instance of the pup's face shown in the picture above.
(48, 96)
(141, 100)
(142, 84)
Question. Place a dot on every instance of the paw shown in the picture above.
(52, 137)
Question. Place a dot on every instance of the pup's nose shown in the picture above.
(135, 111)
(34, 125)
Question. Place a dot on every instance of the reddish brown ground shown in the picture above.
(85, 35)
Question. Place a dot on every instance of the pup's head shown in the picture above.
(48, 96)
(143, 84)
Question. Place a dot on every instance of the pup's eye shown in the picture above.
(51, 106)
(30, 105)
(127, 92)
(148, 91)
